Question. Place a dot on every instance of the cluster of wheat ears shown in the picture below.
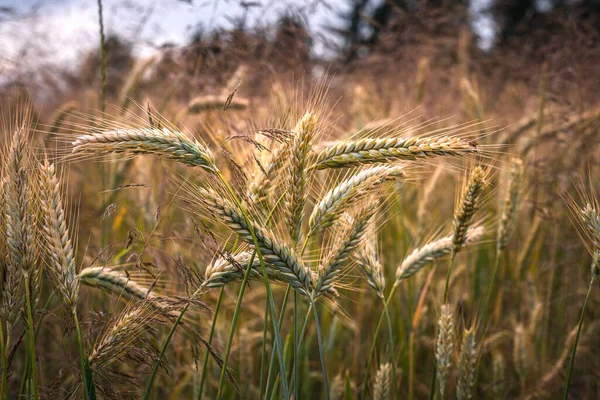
(304, 215)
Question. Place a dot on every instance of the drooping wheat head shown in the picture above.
(162, 142)
(432, 251)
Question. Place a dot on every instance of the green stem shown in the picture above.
(241, 294)
(31, 338)
(391, 339)
(263, 355)
(295, 367)
(86, 372)
(572, 362)
(210, 338)
(302, 332)
(321, 350)
(272, 361)
(162, 351)
(373, 345)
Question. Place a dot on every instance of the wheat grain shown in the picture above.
(162, 142)
(350, 153)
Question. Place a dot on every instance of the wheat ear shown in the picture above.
(368, 260)
(296, 198)
(19, 225)
(420, 257)
(382, 389)
(283, 258)
(350, 153)
(258, 189)
(115, 282)
(467, 206)
(445, 346)
(467, 361)
(349, 241)
(163, 142)
(341, 197)
(61, 266)
(511, 204)
(224, 270)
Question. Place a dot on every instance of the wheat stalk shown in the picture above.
(467, 362)
(57, 238)
(296, 196)
(348, 242)
(420, 257)
(445, 345)
(382, 389)
(283, 258)
(350, 153)
(162, 142)
(341, 197)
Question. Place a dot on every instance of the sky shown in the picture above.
(60, 32)
(69, 28)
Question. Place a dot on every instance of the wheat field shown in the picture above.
(331, 236)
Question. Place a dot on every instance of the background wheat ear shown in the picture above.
(444, 349)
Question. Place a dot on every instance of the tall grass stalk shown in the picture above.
(210, 338)
(595, 272)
